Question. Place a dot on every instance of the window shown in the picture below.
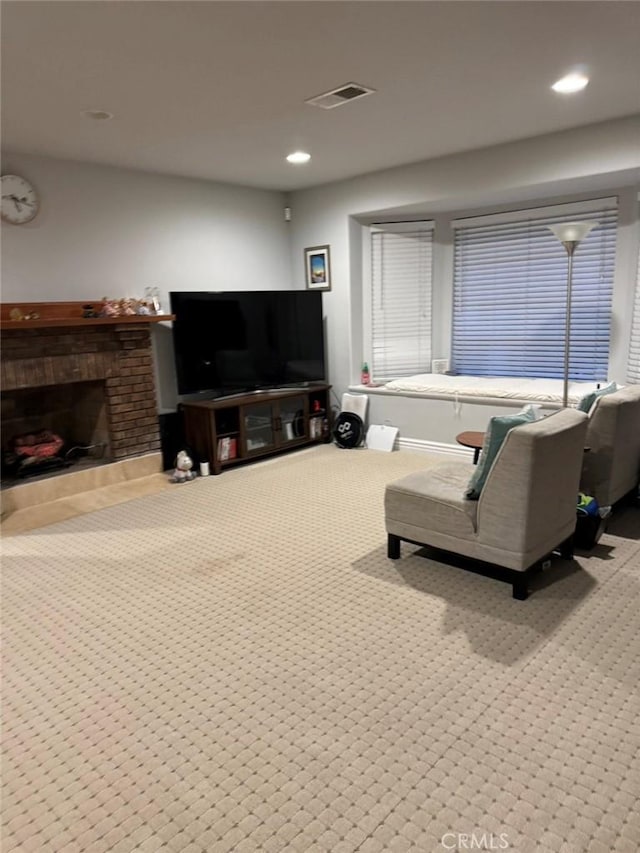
(510, 290)
(401, 273)
(633, 370)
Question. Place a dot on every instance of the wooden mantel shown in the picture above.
(67, 314)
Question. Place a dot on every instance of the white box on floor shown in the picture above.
(381, 437)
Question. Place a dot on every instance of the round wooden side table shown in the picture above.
(472, 439)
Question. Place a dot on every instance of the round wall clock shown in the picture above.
(19, 200)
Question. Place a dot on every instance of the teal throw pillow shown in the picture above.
(493, 438)
(585, 403)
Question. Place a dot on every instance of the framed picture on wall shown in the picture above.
(317, 268)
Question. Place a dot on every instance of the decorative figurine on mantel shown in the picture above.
(152, 297)
(126, 307)
(16, 314)
(109, 308)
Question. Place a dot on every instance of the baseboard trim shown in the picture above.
(424, 446)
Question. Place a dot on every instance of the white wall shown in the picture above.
(105, 231)
(598, 159)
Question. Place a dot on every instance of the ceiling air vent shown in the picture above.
(341, 95)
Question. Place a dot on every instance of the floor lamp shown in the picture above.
(570, 234)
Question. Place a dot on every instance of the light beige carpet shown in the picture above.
(234, 665)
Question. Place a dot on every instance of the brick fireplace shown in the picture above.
(92, 377)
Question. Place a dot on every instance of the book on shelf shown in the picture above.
(227, 448)
(318, 426)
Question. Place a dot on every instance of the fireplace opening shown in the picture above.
(49, 429)
(41, 452)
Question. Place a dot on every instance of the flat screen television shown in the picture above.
(234, 341)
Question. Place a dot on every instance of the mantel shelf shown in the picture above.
(73, 322)
(69, 315)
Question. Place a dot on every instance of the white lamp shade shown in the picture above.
(572, 232)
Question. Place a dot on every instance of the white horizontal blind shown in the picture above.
(401, 276)
(510, 288)
(633, 369)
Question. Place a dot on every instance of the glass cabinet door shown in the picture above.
(258, 424)
(292, 419)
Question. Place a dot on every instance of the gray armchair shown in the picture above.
(612, 464)
(526, 510)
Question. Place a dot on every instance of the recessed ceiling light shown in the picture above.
(573, 82)
(299, 157)
(98, 115)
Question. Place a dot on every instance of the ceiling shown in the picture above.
(216, 90)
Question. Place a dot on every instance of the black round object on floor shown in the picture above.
(348, 430)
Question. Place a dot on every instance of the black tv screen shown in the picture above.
(229, 342)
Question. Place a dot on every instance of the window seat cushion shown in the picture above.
(490, 387)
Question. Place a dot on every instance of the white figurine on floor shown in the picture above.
(182, 472)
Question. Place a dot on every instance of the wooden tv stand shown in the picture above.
(231, 430)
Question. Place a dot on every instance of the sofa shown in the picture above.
(526, 509)
(611, 465)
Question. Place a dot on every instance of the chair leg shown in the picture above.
(520, 588)
(566, 548)
(393, 547)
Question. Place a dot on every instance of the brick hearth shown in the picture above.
(117, 355)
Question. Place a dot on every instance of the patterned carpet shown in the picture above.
(234, 665)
